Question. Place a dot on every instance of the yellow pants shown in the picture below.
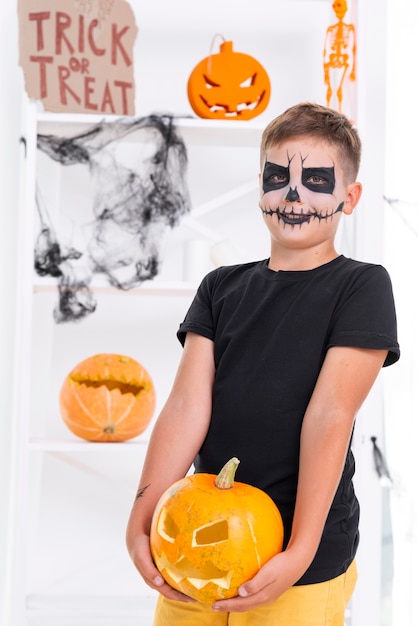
(321, 604)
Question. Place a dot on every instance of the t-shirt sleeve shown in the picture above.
(199, 318)
(367, 318)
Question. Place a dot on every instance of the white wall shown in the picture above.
(401, 253)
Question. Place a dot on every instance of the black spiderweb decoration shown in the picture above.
(132, 206)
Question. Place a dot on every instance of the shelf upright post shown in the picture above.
(20, 388)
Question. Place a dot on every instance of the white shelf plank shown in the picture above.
(90, 606)
(148, 288)
(74, 445)
(194, 130)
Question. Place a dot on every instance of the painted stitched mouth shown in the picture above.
(294, 218)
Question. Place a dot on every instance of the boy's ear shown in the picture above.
(352, 196)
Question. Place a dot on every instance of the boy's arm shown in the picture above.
(176, 438)
(345, 380)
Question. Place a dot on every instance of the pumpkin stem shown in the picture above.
(225, 478)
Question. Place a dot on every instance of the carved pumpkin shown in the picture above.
(228, 85)
(107, 397)
(209, 535)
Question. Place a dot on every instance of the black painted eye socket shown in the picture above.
(319, 179)
(275, 177)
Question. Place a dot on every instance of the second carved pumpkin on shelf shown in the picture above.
(228, 85)
(107, 397)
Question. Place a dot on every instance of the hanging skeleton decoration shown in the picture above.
(339, 60)
(132, 208)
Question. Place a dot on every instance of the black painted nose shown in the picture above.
(292, 195)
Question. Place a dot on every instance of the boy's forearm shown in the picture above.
(169, 457)
(178, 432)
(170, 454)
(322, 457)
(344, 382)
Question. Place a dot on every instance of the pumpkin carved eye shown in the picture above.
(247, 83)
(167, 527)
(209, 82)
(212, 533)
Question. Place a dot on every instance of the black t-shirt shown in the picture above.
(271, 331)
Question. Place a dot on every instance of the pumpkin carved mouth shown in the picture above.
(110, 385)
(235, 110)
(184, 570)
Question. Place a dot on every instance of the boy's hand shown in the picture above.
(273, 579)
(142, 559)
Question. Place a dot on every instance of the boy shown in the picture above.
(279, 356)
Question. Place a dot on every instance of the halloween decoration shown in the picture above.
(380, 464)
(209, 535)
(78, 55)
(340, 61)
(228, 85)
(134, 175)
(107, 397)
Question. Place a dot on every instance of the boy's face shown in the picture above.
(302, 192)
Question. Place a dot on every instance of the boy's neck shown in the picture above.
(300, 260)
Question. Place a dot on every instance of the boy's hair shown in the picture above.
(314, 120)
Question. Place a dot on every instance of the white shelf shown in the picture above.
(232, 133)
(38, 605)
(88, 471)
(75, 445)
(148, 288)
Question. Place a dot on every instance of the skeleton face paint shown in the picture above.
(292, 195)
(318, 179)
(275, 177)
(299, 183)
(294, 218)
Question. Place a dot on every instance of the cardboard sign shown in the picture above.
(77, 55)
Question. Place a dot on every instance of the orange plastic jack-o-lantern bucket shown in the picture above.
(228, 85)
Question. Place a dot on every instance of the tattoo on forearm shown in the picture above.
(141, 492)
